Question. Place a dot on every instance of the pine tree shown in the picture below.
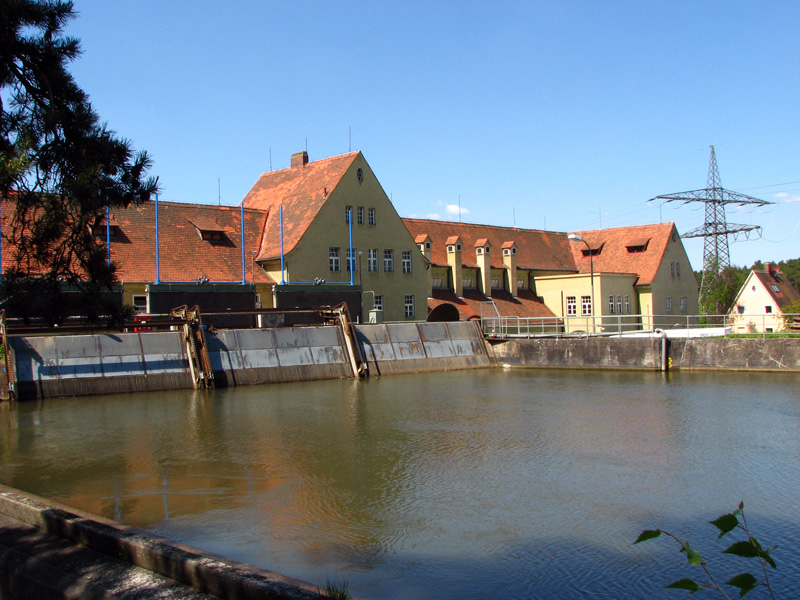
(59, 166)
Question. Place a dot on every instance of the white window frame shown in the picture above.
(619, 305)
(572, 306)
(683, 303)
(372, 260)
(406, 261)
(352, 253)
(371, 216)
(669, 303)
(408, 306)
(348, 214)
(377, 302)
(140, 306)
(388, 261)
(334, 260)
(360, 215)
(627, 305)
(611, 305)
(586, 306)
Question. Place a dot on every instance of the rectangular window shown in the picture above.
(352, 254)
(740, 309)
(627, 305)
(409, 307)
(371, 216)
(571, 306)
(672, 269)
(333, 259)
(378, 303)
(669, 304)
(683, 303)
(768, 309)
(388, 261)
(139, 304)
(520, 284)
(677, 269)
(468, 283)
(586, 305)
(360, 215)
(348, 213)
(611, 305)
(372, 260)
(495, 284)
(406, 261)
(437, 282)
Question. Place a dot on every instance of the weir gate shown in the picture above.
(67, 365)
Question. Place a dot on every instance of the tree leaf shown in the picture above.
(743, 549)
(692, 555)
(648, 534)
(685, 584)
(725, 523)
(744, 581)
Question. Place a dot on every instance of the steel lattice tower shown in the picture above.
(715, 230)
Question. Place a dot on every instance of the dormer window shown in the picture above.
(100, 230)
(487, 249)
(451, 248)
(592, 251)
(208, 230)
(479, 250)
(637, 246)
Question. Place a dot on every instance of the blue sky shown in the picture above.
(559, 115)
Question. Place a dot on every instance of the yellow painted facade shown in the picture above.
(759, 312)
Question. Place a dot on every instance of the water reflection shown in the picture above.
(462, 484)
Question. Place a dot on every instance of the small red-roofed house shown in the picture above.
(759, 305)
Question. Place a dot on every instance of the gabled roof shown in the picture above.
(302, 191)
(777, 285)
(615, 256)
(183, 255)
(539, 250)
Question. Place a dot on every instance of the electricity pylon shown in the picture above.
(715, 230)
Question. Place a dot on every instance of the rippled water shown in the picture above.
(474, 484)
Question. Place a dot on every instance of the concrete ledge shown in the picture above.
(208, 573)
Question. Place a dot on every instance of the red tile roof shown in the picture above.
(526, 305)
(539, 250)
(183, 255)
(785, 293)
(614, 256)
(302, 191)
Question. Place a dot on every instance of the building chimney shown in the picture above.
(299, 159)
(453, 244)
(510, 265)
(483, 258)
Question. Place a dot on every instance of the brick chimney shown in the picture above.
(299, 159)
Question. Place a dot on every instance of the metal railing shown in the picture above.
(763, 324)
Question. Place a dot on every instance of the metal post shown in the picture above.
(281, 224)
(241, 213)
(158, 278)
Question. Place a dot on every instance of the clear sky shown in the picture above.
(558, 115)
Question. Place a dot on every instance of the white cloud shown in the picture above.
(454, 209)
(784, 197)
(434, 216)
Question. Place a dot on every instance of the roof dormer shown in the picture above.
(208, 229)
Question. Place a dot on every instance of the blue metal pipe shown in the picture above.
(281, 222)
(244, 273)
(108, 237)
(350, 252)
(158, 278)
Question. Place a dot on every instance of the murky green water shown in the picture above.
(474, 484)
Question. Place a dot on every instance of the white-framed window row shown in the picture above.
(388, 261)
(619, 305)
(611, 305)
(334, 260)
(627, 305)
(372, 260)
(406, 261)
(408, 306)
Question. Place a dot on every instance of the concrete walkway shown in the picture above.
(51, 551)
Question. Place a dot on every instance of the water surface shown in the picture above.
(470, 484)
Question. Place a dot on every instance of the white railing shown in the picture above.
(763, 324)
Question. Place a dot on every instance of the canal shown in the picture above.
(465, 484)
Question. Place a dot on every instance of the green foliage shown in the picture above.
(747, 548)
(60, 167)
(337, 591)
(720, 295)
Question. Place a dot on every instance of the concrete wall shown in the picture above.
(779, 354)
(248, 356)
(73, 365)
(415, 347)
(586, 352)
